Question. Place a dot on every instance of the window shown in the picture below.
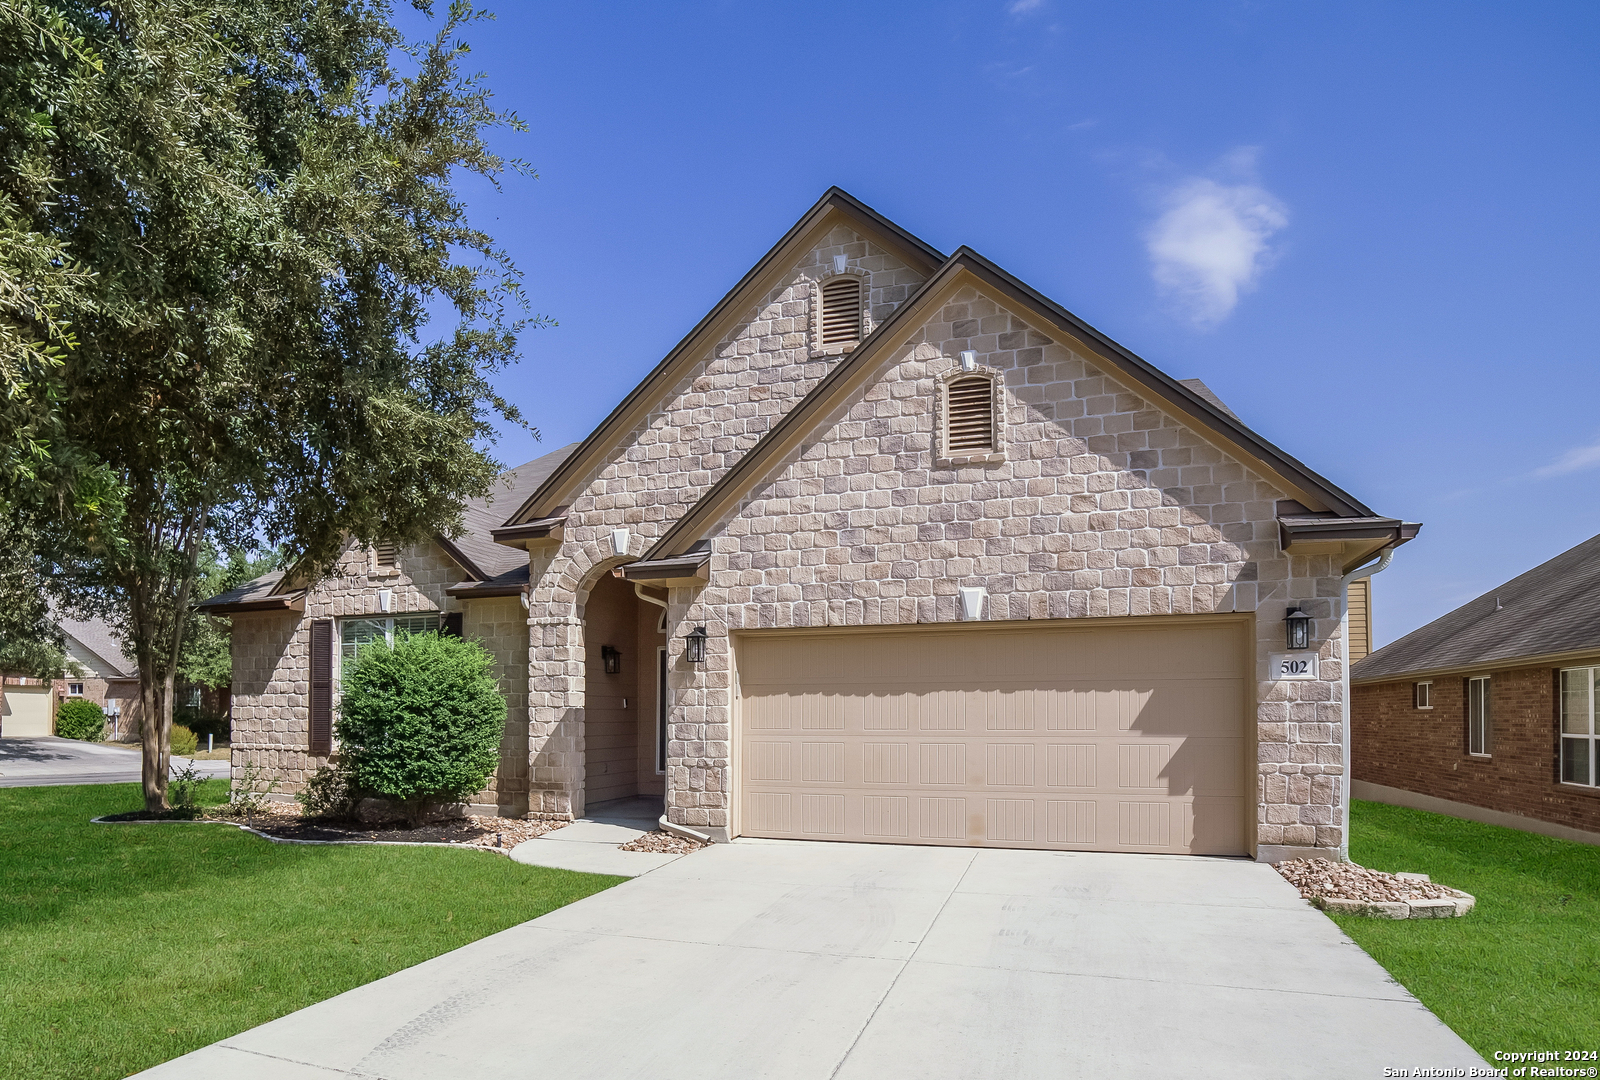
(1580, 728)
(74, 689)
(1422, 695)
(970, 416)
(354, 633)
(1480, 725)
(385, 555)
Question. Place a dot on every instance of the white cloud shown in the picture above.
(1210, 242)
(1022, 7)
(1577, 459)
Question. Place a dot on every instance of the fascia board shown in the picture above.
(1587, 657)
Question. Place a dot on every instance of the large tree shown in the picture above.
(255, 312)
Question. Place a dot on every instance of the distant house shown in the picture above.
(1492, 712)
(105, 675)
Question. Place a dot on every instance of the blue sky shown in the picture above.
(1371, 228)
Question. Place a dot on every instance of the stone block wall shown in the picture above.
(1103, 507)
(271, 663)
(739, 388)
(1425, 750)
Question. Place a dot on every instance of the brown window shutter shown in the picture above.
(321, 743)
(452, 624)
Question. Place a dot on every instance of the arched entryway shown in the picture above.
(624, 752)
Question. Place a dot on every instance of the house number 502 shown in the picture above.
(1295, 665)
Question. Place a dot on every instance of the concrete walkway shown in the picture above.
(44, 760)
(813, 961)
(592, 844)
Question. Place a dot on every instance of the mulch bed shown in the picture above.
(663, 843)
(1322, 878)
(285, 822)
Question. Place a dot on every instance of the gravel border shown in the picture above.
(1388, 896)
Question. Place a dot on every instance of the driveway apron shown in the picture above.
(789, 959)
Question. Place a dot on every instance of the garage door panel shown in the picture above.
(1017, 752)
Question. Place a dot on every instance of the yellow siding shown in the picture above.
(1360, 618)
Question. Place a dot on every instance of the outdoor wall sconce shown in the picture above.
(612, 659)
(694, 645)
(969, 360)
(1298, 625)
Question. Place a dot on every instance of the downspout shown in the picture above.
(667, 826)
(1384, 559)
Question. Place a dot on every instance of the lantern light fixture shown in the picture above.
(612, 659)
(1297, 625)
(694, 645)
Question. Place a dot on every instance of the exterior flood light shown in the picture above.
(969, 360)
(694, 645)
(612, 659)
(1298, 625)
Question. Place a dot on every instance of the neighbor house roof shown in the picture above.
(1551, 612)
(97, 638)
(1190, 401)
(836, 207)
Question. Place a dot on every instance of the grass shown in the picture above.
(127, 945)
(1522, 971)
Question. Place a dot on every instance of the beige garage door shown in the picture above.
(1113, 739)
(26, 711)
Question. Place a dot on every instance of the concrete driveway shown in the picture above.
(784, 959)
(47, 760)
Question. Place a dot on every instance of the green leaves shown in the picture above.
(421, 722)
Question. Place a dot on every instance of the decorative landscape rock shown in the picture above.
(1348, 889)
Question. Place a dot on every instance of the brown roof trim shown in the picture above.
(480, 590)
(519, 535)
(269, 604)
(461, 559)
(855, 369)
(667, 373)
(1313, 527)
(691, 569)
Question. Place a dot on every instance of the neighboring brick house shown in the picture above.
(1492, 712)
(103, 674)
(893, 548)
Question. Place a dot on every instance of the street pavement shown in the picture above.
(46, 760)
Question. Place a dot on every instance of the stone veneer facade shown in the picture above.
(271, 665)
(1103, 507)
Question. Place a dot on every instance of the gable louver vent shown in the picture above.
(385, 555)
(970, 421)
(841, 311)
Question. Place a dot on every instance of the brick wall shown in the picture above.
(1425, 751)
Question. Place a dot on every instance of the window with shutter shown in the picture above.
(969, 416)
(321, 712)
(841, 311)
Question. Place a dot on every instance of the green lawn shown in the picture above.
(122, 946)
(1522, 971)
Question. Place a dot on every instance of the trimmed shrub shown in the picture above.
(184, 741)
(330, 792)
(80, 719)
(420, 722)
